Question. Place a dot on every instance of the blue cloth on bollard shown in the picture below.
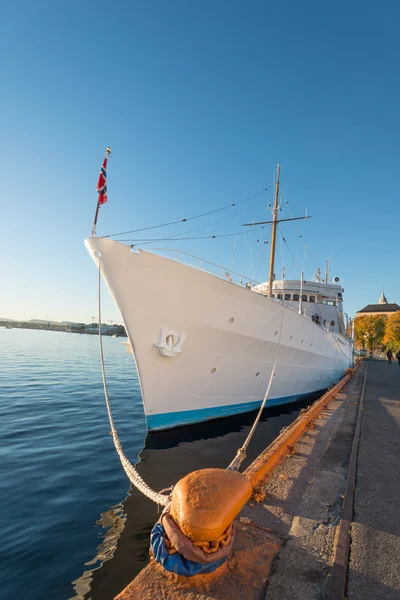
(176, 563)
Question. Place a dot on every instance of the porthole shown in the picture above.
(213, 370)
(290, 337)
(257, 374)
(231, 320)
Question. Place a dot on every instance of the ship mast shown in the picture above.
(273, 237)
(274, 224)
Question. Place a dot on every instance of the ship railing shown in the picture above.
(209, 267)
(303, 310)
(236, 278)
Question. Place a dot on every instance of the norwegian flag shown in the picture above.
(102, 182)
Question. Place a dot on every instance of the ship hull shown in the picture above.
(204, 347)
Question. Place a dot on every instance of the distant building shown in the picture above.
(93, 328)
(382, 308)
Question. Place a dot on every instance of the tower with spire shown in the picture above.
(382, 308)
(382, 299)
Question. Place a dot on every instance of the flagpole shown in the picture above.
(108, 152)
(95, 220)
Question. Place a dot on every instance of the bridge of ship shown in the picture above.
(320, 302)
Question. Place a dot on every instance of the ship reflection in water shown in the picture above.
(113, 521)
(167, 457)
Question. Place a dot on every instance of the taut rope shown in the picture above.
(241, 453)
(129, 469)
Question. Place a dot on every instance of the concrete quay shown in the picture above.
(374, 569)
(287, 535)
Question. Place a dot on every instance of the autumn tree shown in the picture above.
(369, 331)
(359, 331)
(392, 332)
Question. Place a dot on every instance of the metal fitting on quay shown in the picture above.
(195, 533)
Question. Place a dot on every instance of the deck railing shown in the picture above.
(238, 279)
(209, 267)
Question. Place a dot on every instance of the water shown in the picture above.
(71, 527)
(58, 470)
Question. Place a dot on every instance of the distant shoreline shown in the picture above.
(82, 328)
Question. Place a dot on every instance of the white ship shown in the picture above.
(205, 344)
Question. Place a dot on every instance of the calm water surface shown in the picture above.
(71, 527)
(59, 475)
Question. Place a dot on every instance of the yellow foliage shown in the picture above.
(369, 331)
(392, 332)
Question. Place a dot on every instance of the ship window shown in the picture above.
(304, 297)
(288, 296)
(296, 297)
(316, 319)
(272, 295)
(279, 296)
(332, 323)
(312, 298)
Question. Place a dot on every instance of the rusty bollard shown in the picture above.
(194, 534)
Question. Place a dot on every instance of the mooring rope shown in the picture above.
(129, 469)
(338, 345)
(241, 453)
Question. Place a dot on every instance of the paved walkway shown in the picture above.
(374, 569)
(305, 496)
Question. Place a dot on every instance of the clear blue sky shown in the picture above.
(199, 101)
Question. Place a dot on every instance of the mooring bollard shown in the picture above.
(195, 533)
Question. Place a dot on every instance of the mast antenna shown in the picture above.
(327, 271)
(273, 236)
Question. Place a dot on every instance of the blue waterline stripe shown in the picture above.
(186, 417)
